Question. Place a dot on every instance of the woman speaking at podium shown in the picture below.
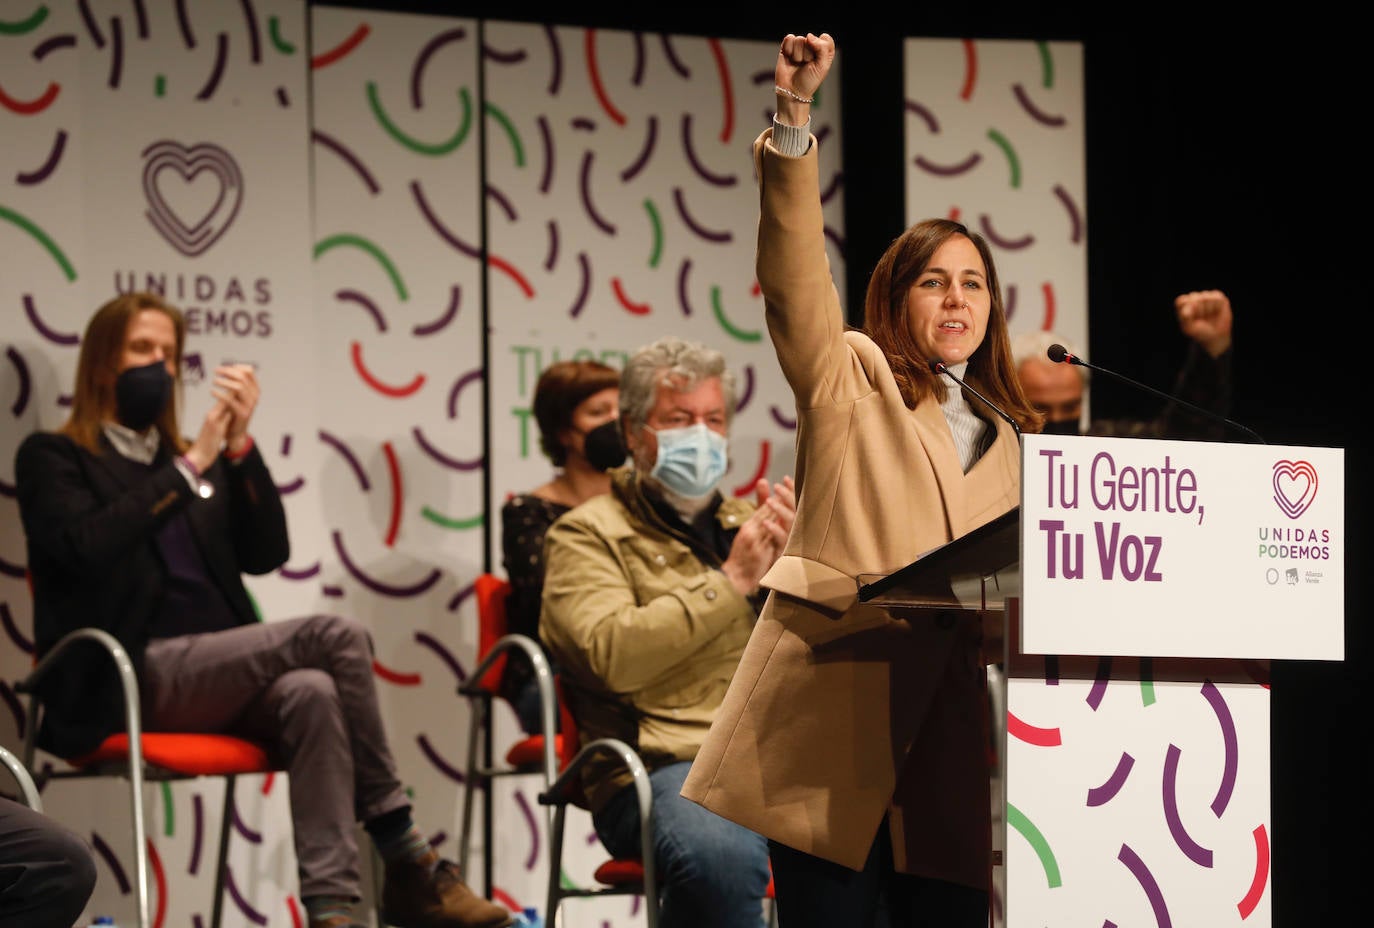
(854, 741)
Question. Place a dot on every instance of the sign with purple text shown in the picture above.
(1182, 549)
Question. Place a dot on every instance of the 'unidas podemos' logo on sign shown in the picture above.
(190, 211)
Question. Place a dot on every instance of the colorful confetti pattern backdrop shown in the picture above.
(311, 193)
(995, 139)
(1133, 798)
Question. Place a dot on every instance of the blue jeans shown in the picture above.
(710, 870)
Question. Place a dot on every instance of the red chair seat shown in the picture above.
(530, 751)
(620, 871)
(191, 754)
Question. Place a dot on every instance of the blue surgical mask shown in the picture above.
(691, 460)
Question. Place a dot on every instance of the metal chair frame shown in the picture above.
(567, 790)
(133, 767)
(482, 768)
(23, 779)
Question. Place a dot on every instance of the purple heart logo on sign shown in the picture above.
(193, 193)
(1295, 486)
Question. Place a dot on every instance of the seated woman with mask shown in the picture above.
(577, 407)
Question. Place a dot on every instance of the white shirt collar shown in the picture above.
(136, 446)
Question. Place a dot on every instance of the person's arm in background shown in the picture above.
(623, 605)
(1205, 379)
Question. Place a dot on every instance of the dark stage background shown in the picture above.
(1221, 152)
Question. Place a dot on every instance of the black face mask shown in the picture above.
(604, 447)
(141, 393)
(1061, 427)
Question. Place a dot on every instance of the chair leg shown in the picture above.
(472, 782)
(555, 866)
(141, 864)
(226, 824)
(488, 803)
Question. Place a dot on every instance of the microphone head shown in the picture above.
(1058, 353)
(936, 366)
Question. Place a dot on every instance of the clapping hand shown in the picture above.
(762, 537)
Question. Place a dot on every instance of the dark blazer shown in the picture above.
(90, 522)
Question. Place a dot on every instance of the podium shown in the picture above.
(1139, 591)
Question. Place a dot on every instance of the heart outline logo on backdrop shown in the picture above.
(1287, 477)
(191, 238)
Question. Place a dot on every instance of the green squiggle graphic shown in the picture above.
(1038, 844)
(168, 809)
(726, 324)
(1001, 142)
(19, 27)
(357, 241)
(422, 148)
(1147, 692)
(274, 33)
(444, 521)
(516, 145)
(43, 239)
(1046, 65)
(657, 223)
(160, 86)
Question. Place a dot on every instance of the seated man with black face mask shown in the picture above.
(576, 405)
(134, 529)
(650, 594)
(1057, 389)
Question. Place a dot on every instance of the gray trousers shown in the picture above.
(305, 688)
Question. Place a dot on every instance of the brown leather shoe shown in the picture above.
(336, 921)
(415, 897)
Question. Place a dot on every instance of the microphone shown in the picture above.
(1061, 355)
(937, 366)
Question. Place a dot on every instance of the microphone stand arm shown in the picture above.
(1074, 359)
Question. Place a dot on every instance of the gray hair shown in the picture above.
(672, 362)
(1033, 345)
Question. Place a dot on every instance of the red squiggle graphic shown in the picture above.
(1047, 289)
(267, 782)
(727, 104)
(594, 74)
(765, 452)
(397, 493)
(395, 676)
(294, 910)
(639, 309)
(374, 383)
(1252, 898)
(509, 270)
(1041, 737)
(970, 70)
(325, 59)
(28, 108)
(160, 880)
(505, 898)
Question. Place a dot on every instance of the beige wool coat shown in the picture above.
(839, 713)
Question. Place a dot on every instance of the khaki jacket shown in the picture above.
(645, 628)
(839, 713)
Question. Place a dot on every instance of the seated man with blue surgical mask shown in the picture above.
(650, 593)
